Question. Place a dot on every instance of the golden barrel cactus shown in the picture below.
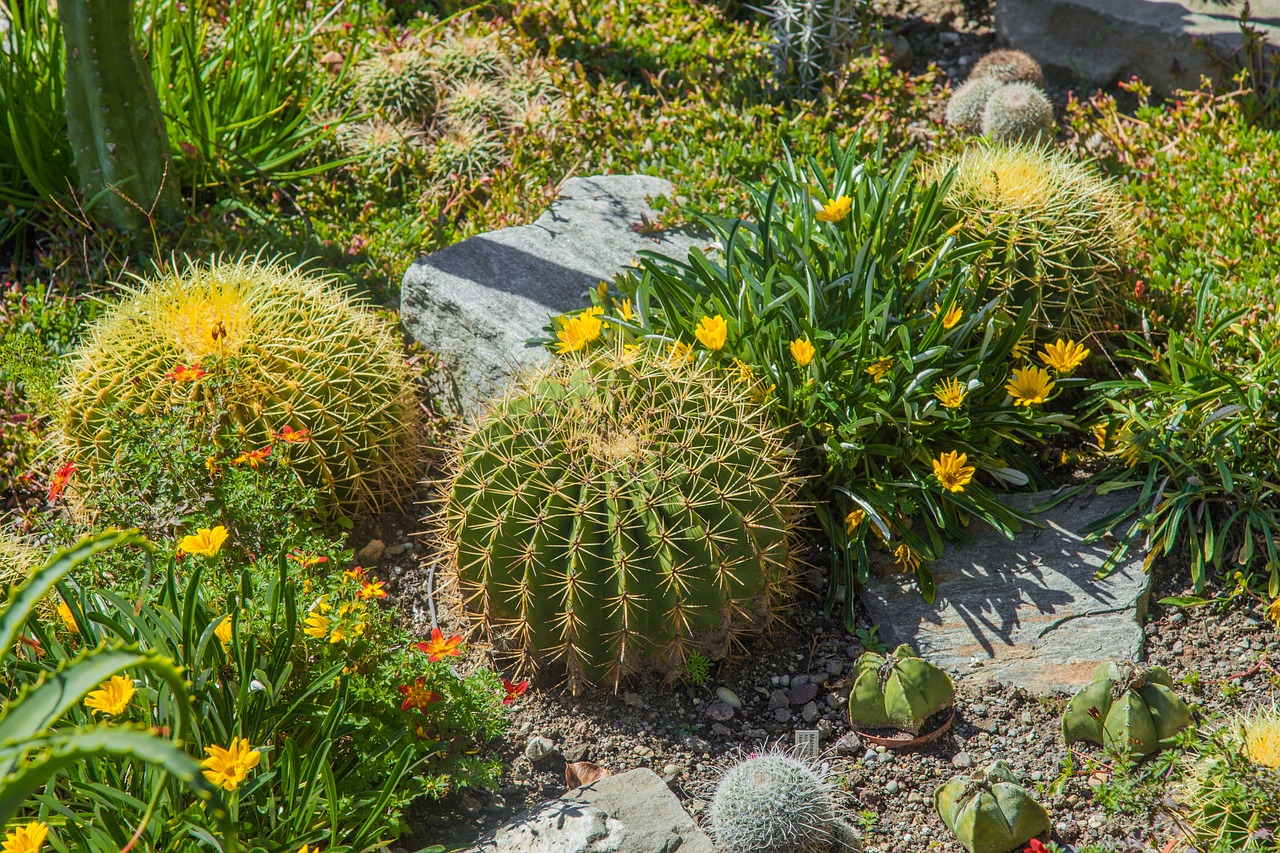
(295, 352)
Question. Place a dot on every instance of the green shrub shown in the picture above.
(1018, 112)
(884, 358)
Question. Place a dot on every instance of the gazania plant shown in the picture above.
(843, 300)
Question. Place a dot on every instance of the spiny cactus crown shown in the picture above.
(1018, 112)
(618, 509)
(811, 38)
(465, 149)
(1008, 66)
(302, 354)
(773, 804)
(964, 110)
(403, 85)
(381, 146)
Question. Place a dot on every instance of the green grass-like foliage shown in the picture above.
(621, 509)
(302, 353)
(1018, 112)
(989, 812)
(775, 804)
(1056, 227)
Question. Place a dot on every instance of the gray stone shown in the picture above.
(633, 812)
(728, 697)
(721, 712)
(809, 712)
(538, 748)
(801, 694)
(1104, 41)
(1026, 612)
(477, 303)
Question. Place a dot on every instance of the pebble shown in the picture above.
(372, 552)
(727, 696)
(782, 714)
(963, 760)
(672, 770)
(778, 699)
(892, 787)
(810, 712)
(538, 748)
(576, 752)
(848, 744)
(721, 712)
(802, 693)
(633, 699)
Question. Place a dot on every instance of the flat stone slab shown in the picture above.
(476, 304)
(1104, 41)
(1026, 612)
(633, 812)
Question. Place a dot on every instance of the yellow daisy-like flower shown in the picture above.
(1100, 435)
(1262, 737)
(1029, 385)
(951, 317)
(206, 542)
(1128, 445)
(854, 520)
(760, 393)
(223, 631)
(228, 768)
(952, 472)
(680, 351)
(68, 621)
(878, 368)
(112, 697)
(712, 332)
(307, 848)
(1064, 356)
(802, 351)
(1273, 612)
(580, 330)
(835, 209)
(316, 625)
(950, 393)
(1022, 347)
(28, 838)
(602, 290)
(211, 464)
(624, 310)
(906, 559)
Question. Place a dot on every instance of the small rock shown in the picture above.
(892, 787)
(633, 700)
(672, 770)
(575, 753)
(372, 552)
(1178, 618)
(721, 730)
(782, 715)
(727, 696)
(801, 693)
(720, 712)
(963, 760)
(848, 744)
(835, 667)
(810, 712)
(825, 729)
(778, 699)
(538, 748)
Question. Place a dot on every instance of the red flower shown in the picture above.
(514, 691)
(289, 435)
(1036, 847)
(60, 479)
(186, 373)
(356, 574)
(438, 647)
(253, 457)
(417, 695)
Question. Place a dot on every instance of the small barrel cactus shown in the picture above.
(964, 110)
(462, 55)
(1008, 66)
(477, 100)
(900, 691)
(1018, 112)
(989, 811)
(299, 353)
(1231, 797)
(402, 85)
(1126, 709)
(380, 147)
(465, 149)
(620, 509)
(776, 804)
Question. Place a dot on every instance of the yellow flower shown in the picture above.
(307, 848)
(802, 351)
(906, 559)
(112, 697)
(854, 520)
(1029, 385)
(602, 290)
(223, 631)
(227, 768)
(760, 393)
(580, 330)
(878, 368)
(835, 209)
(712, 331)
(211, 464)
(951, 317)
(28, 838)
(1022, 347)
(1064, 356)
(317, 625)
(1128, 445)
(680, 351)
(952, 472)
(68, 621)
(745, 374)
(205, 543)
(1273, 612)
(1100, 435)
(624, 310)
(950, 393)
(1261, 732)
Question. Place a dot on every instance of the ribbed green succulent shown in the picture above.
(1056, 227)
(901, 691)
(775, 803)
(1126, 709)
(989, 811)
(1008, 66)
(382, 148)
(402, 85)
(964, 110)
(1018, 112)
(618, 510)
(300, 353)
(465, 149)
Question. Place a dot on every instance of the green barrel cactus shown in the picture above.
(618, 510)
(1126, 709)
(1008, 66)
(964, 109)
(989, 812)
(1018, 112)
(403, 85)
(296, 352)
(776, 804)
(900, 691)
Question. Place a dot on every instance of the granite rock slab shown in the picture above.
(1027, 612)
(477, 303)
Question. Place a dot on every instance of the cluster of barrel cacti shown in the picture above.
(444, 108)
(1004, 100)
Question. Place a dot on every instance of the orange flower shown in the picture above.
(417, 695)
(289, 435)
(514, 690)
(60, 479)
(307, 560)
(253, 457)
(438, 647)
(185, 373)
(356, 574)
(372, 590)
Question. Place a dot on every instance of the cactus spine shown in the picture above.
(617, 510)
(964, 110)
(113, 115)
(811, 38)
(776, 804)
(1231, 800)
(1008, 66)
